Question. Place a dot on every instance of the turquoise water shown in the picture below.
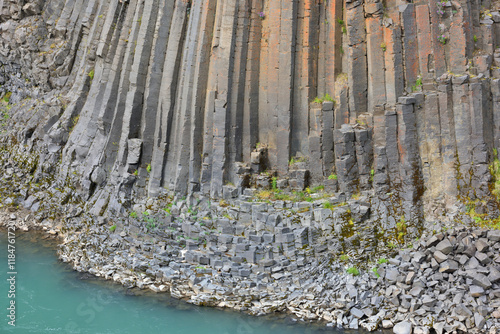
(52, 298)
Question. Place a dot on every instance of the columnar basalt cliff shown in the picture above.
(134, 97)
(389, 109)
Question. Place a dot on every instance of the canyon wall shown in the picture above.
(127, 99)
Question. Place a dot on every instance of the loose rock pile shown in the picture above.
(447, 282)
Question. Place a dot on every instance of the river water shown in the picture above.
(52, 298)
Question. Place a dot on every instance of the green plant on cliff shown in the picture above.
(418, 84)
(168, 208)
(324, 98)
(316, 189)
(112, 228)
(481, 219)
(6, 97)
(383, 46)
(148, 168)
(442, 39)
(342, 25)
(360, 122)
(332, 177)
(470, 205)
(91, 75)
(495, 173)
(268, 195)
(328, 98)
(401, 228)
(294, 160)
(4, 116)
(317, 100)
(151, 226)
(274, 183)
(353, 271)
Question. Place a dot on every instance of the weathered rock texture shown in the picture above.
(108, 103)
(125, 99)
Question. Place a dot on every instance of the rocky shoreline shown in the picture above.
(448, 282)
(107, 103)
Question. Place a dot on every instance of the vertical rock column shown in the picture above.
(84, 131)
(364, 156)
(428, 120)
(394, 70)
(481, 135)
(425, 54)
(412, 185)
(333, 41)
(252, 80)
(221, 70)
(345, 159)
(306, 62)
(205, 34)
(115, 142)
(391, 149)
(495, 90)
(278, 55)
(274, 21)
(438, 49)
(356, 55)
(131, 121)
(166, 104)
(410, 45)
(375, 50)
(459, 34)
(341, 111)
(488, 36)
(285, 75)
(327, 142)
(152, 93)
(462, 120)
(265, 75)
(237, 89)
(380, 168)
(316, 143)
(183, 161)
(448, 142)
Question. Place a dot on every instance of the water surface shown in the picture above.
(52, 298)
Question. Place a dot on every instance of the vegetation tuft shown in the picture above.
(353, 271)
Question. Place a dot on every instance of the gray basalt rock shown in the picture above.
(115, 110)
(404, 327)
(444, 247)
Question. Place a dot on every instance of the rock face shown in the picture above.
(128, 98)
(252, 257)
(109, 105)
